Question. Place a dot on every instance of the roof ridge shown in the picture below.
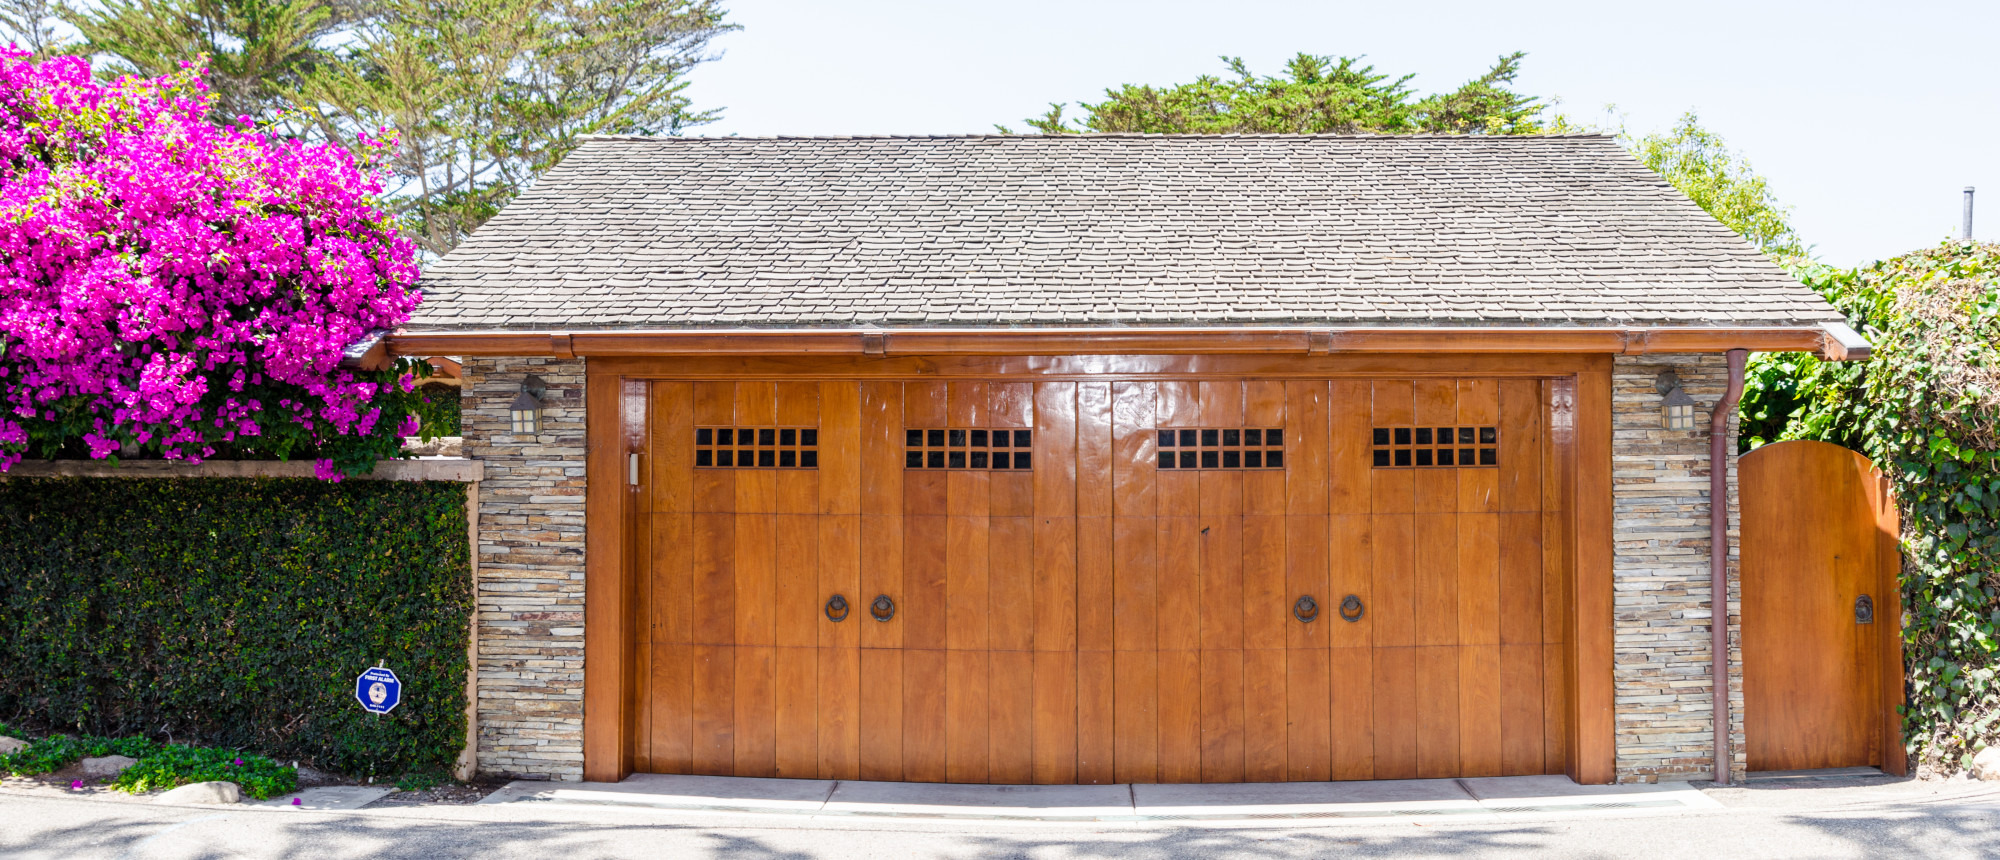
(1086, 136)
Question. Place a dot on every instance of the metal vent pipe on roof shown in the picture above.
(1968, 214)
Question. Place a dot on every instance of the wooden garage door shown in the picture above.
(1099, 581)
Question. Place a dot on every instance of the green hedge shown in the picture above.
(237, 613)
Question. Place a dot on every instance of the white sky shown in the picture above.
(1869, 118)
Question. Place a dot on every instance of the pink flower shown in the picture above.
(162, 277)
(295, 802)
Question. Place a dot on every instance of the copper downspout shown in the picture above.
(1718, 556)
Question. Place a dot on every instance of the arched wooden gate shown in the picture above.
(1822, 650)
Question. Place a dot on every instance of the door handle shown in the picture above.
(1305, 609)
(1864, 610)
(883, 608)
(836, 608)
(1350, 609)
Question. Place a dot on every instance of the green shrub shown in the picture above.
(237, 613)
(56, 752)
(176, 765)
(1926, 410)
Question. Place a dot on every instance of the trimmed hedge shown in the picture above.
(237, 612)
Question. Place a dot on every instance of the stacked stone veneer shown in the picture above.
(530, 584)
(1663, 693)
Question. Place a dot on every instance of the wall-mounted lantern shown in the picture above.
(526, 410)
(1676, 407)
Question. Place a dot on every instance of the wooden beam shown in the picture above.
(606, 744)
(1843, 343)
(1124, 341)
(1593, 726)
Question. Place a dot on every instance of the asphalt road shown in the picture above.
(1963, 822)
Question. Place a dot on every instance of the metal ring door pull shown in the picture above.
(1864, 610)
(1350, 609)
(883, 608)
(1305, 609)
(836, 608)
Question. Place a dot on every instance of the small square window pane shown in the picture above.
(1444, 456)
(1274, 459)
(767, 458)
(1021, 459)
(913, 438)
(1024, 439)
(913, 460)
(1465, 456)
(1403, 457)
(1402, 435)
(1187, 459)
(1488, 457)
(704, 457)
(934, 438)
(1211, 438)
(704, 436)
(1000, 438)
(1381, 457)
(1187, 438)
(809, 459)
(1423, 435)
(1444, 435)
(956, 460)
(725, 458)
(767, 436)
(1274, 437)
(1232, 438)
(958, 438)
(1166, 438)
(809, 436)
(1232, 459)
(1253, 437)
(1253, 459)
(1489, 435)
(788, 437)
(1423, 456)
(934, 460)
(1381, 436)
(1166, 459)
(787, 459)
(1465, 435)
(1002, 460)
(1209, 460)
(722, 437)
(978, 438)
(979, 459)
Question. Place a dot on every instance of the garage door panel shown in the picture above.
(756, 578)
(1055, 717)
(839, 720)
(1220, 534)
(882, 449)
(1265, 745)
(1395, 694)
(924, 715)
(672, 567)
(1306, 425)
(1435, 553)
(1011, 738)
(1352, 673)
(672, 729)
(1222, 717)
(1437, 711)
(755, 727)
(1521, 701)
(1266, 611)
(968, 605)
(882, 573)
(1096, 716)
(1136, 589)
(1136, 705)
(1308, 693)
(714, 709)
(1180, 715)
(1010, 583)
(796, 711)
(968, 715)
(712, 598)
(1180, 608)
(1393, 580)
(1479, 729)
(1521, 445)
(881, 706)
(921, 604)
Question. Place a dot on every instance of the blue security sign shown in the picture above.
(378, 691)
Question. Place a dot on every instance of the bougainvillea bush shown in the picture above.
(176, 286)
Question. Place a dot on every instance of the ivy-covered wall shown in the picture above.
(237, 612)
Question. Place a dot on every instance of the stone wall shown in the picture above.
(1664, 712)
(530, 588)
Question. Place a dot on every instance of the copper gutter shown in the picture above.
(1719, 422)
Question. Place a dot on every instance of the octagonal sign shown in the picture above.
(378, 691)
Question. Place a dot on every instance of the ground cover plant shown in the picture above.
(158, 766)
(1926, 410)
(236, 613)
(183, 286)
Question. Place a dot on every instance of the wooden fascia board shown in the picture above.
(1821, 340)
